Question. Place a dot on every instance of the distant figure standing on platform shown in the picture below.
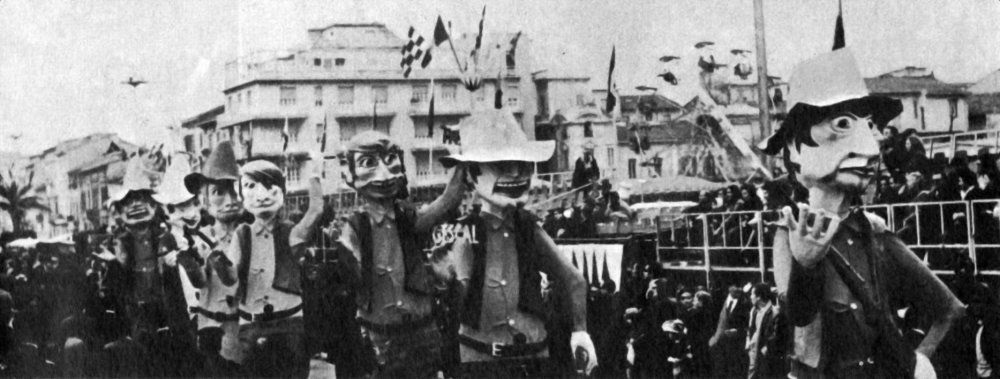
(586, 172)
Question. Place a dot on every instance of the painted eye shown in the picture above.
(390, 158)
(366, 161)
(871, 125)
(842, 123)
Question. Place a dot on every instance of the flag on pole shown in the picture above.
(284, 137)
(610, 106)
(838, 32)
(513, 49)
(479, 37)
(498, 98)
(414, 50)
(440, 33)
(430, 113)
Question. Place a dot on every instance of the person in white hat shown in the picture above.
(502, 332)
(840, 268)
(216, 185)
(145, 288)
(395, 294)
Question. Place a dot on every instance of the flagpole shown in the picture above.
(762, 93)
(453, 53)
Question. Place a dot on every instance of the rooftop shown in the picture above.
(894, 84)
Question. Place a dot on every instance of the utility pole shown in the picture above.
(762, 93)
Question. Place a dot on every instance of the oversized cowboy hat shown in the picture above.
(494, 135)
(173, 190)
(221, 165)
(825, 86)
(137, 178)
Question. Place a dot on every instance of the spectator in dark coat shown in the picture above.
(586, 171)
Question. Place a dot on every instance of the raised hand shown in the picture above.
(810, 235)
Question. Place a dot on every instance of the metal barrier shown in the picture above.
(741, 242)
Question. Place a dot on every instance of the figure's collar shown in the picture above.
(259, 226)
(380, 211)
(496, 221)
(856, 221)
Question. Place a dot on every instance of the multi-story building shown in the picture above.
(569, 114)
(347, 80)
(73, 179)
(929, 105)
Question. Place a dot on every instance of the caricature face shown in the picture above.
(378, 173)
(223, 204)
(845, 156)
(186, 214)
(260, 200)
(137, 208)
(504, 183)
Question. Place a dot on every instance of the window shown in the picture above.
(915, 107)
(319, 95)
(953, 104)
(229, 101)
(579, 100)
(380, 94)
(419, 93)
(340, 62)
(631, 168)
(317, 62)
(481, 94)
(292, 172)
(239, 99)
(511, 92)
(328, 63)
(611, 158)
(287, 95)
(448, 92)
(588, 129)
(345, 94)
(320, 129)
(249, 97)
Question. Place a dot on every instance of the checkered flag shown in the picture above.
(415, 50)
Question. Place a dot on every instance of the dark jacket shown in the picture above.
(583, 175)
(122, 282)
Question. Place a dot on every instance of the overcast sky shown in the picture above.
(61, 62)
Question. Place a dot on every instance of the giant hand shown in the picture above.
(581, 340)
(808, 239)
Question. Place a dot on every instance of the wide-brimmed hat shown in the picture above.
(221, 165)
(137, 178)
(824, 86)
(494, 135)
(173, 190)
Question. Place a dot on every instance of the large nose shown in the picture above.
(865, 140)
(382, 172)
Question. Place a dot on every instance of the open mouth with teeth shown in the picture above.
(190, 222)
(137, 213)
(513, 189)
(859, 171)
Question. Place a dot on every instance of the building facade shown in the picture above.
(929, 105)
(348, 80)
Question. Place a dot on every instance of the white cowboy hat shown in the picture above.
(824, 86)
(172, 190)
(494, 135)
(136, 178)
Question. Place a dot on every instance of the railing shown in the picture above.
(970, 142)
(740, 243)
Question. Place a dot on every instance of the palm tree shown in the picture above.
(18, 200)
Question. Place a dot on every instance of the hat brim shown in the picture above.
(194, 181)
(881, 109)
(120, 195)
(531, 151)
(172, 199)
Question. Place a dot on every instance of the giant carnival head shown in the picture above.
(831, 136)
(182, 206)
(217, 183)
(375, 166)
(134, 202)
(501, 159)
(262, 187)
